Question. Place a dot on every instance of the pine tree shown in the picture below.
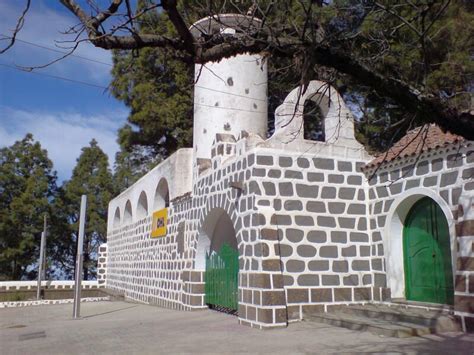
(92, 177)
(27, 186)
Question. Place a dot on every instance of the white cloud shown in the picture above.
(63, 134)
(43, 26)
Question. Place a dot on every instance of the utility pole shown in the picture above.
(80, 242)
(42, 258)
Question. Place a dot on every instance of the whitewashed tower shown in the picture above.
(231, 95)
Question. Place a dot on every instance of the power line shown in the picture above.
(110, 65)
(54, 76)
(229, 108)
(57, 51)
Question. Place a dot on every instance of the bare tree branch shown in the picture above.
(18, 27)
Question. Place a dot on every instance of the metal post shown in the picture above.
(80, 241)
(41, 268)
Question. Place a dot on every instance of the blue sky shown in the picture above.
(63, 116)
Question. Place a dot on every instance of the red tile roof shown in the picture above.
(416, 141)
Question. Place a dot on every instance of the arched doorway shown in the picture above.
(427, 254)
(218, 257)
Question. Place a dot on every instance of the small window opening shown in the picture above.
(313, 122)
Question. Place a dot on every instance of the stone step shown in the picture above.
(438, 320)
(375, 326)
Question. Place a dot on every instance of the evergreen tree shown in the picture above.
(27, 186)
(92, 177)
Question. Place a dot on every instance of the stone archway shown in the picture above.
(394, 236)
(217, 255)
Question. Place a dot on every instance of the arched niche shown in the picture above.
(127, 215)
(142, 206)
(393, 236)
(162, 195)
(315, 110)
(336, 120)
(216, 230)
(116, 220)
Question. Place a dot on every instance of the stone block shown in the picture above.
(307, 191)
(356, 209)
(269, 188)
(454, 161)
(360, 265)
(295, 266)
(293, 205)
(297, 295)
(294, 235)
(259, 280)
(286, 188)
(304, 221)
(302, 163)
(293, 174)
(396, 188)
(274, 173)
(344, 166)
(336, 207)
(367, 279)
(318, 265)
(354, 180)
(328, 251)
(460, 283)
(430, 181)
(362, 294)
(330, 280)
(257, 172)
(324, 164)
(340, 266)
(346, 193)
(342, 294)
(335, 179)
(280, 220)
(358, 237)
(264, 160)
(321, 295)
(346, 222)
(285, 250)
(269, 234)
(422, 168)
(273, 298)
(317, 236)
(315, 206)
(349, 251)
(306, 251)
(465, 263)
(351, 280)
(380, 280)
(328, 192)
(464, 303)
(339, 237)
(315, 177)
(271, 265)
(308, 280)
(326, 221)
(448, 179)
(285, 162)
(377, 264)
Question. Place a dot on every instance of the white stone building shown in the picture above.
(313, 223)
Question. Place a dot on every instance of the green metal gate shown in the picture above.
(222, 272)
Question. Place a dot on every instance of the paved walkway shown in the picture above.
(126, 328)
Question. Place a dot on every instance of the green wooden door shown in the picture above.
(222, 272)
(427, 254)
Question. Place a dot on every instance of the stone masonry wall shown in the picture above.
(317, 207)
(446, 173)
(102, 265)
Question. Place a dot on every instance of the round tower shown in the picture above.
(230, 96)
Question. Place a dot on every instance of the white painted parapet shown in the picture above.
(169, 179)
(230, 96)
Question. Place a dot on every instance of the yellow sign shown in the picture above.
(158, 227)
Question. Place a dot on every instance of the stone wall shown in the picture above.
(446, 176)
(102, 265)
(317, 207)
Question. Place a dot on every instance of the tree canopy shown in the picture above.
(27, 185)
(413, 54)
